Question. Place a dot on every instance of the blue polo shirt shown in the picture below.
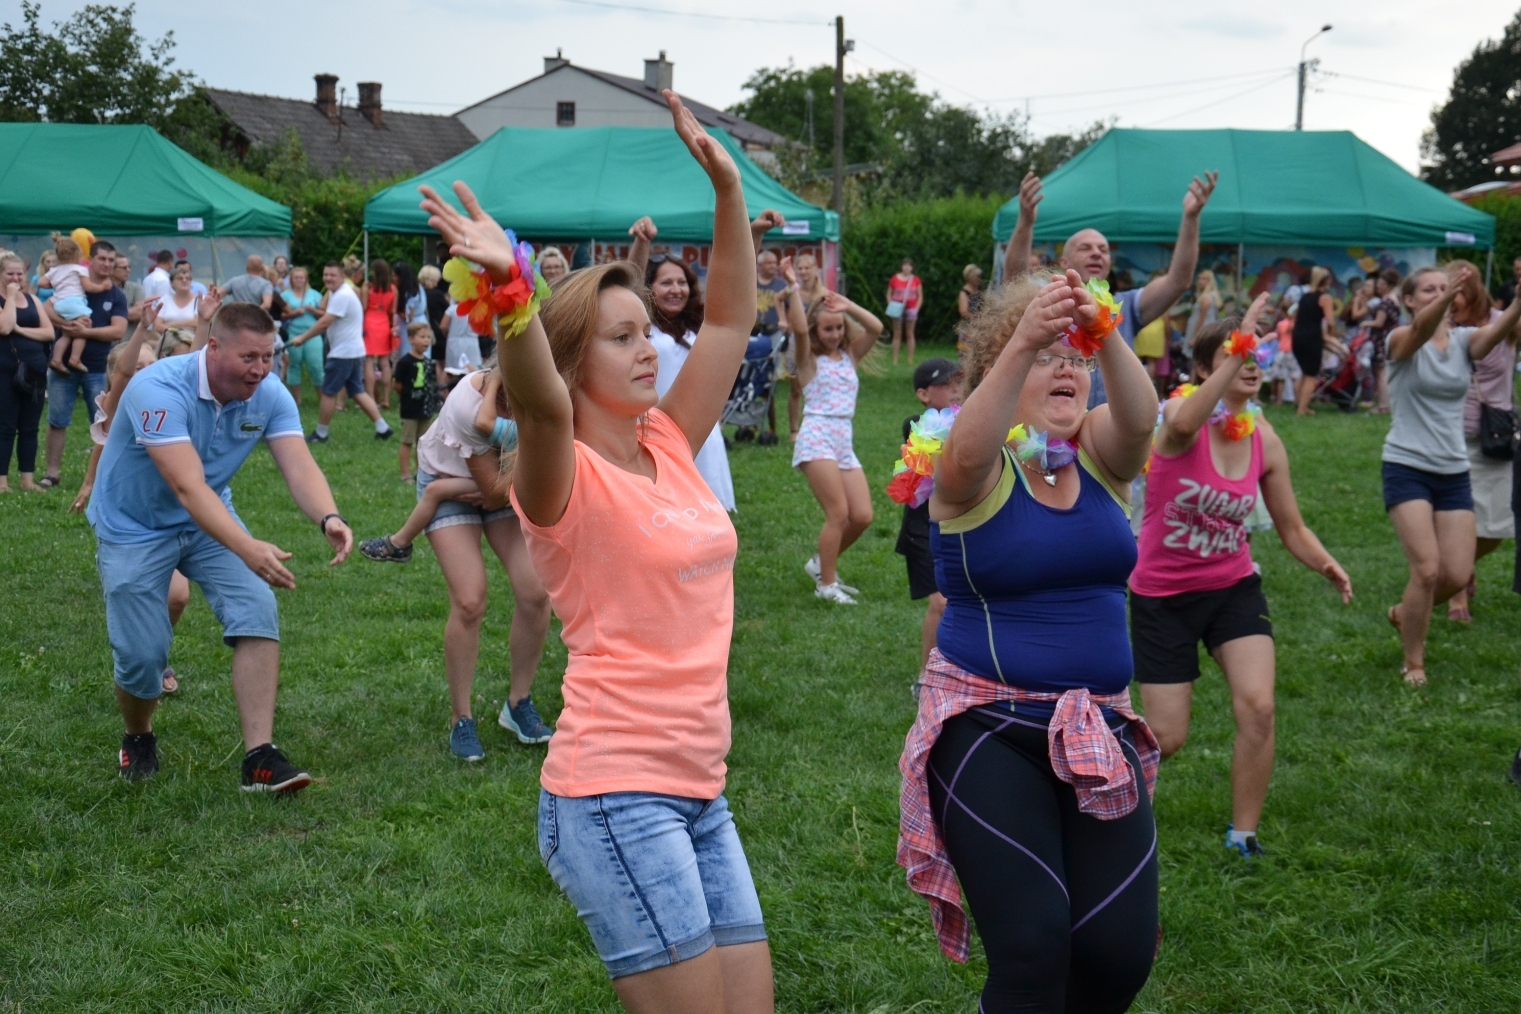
(170, 402)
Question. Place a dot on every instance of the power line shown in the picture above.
(1228, 98)
(1370, 98)
(1131, 88)
(922, 73)
(1370, 80)
(1046, 114)
(692, 14)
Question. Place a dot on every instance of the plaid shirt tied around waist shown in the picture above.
(1084, 753)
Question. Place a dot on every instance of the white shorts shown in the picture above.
(1490, 479)
(825, 437)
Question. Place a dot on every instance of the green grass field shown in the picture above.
(406, 881)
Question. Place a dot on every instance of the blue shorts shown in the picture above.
(657, 879)
(71, 307)
(62, 391)
(136, 581)
(457, 512)
(343, 375)
(1444, 492)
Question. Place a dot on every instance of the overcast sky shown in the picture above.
(1138, 61)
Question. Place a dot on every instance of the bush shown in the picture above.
(941, 235)
(327, 218)
(1507, 211)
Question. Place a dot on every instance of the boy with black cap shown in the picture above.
(937, 384)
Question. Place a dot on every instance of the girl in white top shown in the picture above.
(677, 315)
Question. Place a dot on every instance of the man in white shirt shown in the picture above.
(156, 283)
(343, 323)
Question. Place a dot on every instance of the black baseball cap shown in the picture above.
(935, 371)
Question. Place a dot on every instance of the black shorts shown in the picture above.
(1165, 630)
(1444, 492)
(914, 546)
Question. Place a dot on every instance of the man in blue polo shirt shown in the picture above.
(1087, 253)
(161, 502)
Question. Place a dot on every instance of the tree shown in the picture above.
(1482, 114)
(921, 146)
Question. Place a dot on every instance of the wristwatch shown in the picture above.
(322, 525)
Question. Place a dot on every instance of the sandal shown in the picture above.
(1414, 675)
(1459, 615)
(171, 682)
(48, 482)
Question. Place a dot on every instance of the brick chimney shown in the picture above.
(555, 62)
(657, 73)
(369, 103)
(327, 95)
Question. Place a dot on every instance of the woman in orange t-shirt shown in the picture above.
(638, 559)
(379, 297)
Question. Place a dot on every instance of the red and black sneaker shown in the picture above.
(139, 757)
(265, 769)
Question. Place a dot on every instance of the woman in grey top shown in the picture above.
(1425, 459)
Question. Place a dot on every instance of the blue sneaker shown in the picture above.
(1248, 848)
(464, 743)
(523, 721)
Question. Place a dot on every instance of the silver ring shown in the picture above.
(467, 242)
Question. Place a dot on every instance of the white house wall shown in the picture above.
(533, 104)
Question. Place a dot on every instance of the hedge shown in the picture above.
(327, 217)
(941, 235)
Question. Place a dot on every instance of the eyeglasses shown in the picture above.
(1085, 363)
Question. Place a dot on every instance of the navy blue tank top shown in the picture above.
(1035, 595)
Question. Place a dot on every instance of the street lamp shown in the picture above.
(1304, 69)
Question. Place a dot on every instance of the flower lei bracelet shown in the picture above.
(1089, 340)
(1238, 425)
(1241, 343)
(510, 305)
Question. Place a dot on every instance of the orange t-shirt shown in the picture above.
(641, 575)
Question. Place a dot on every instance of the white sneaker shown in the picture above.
(813, 570)
(834, 593)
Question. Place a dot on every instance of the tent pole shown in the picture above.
(366, 255)
(216, 263)
(1240, 270)
(1489, 266)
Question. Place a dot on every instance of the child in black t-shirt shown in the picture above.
(937, 384)
(413, 379)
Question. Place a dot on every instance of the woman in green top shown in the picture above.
(302, 304)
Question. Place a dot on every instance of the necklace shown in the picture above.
(1039, 453)
(1238, 425)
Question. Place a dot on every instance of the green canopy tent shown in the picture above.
(590, 184)
(1277, 189)
(128, 184)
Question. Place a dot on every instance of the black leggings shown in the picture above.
(21, 410)
(1065, 903)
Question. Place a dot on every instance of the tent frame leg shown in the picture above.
(1241, 302)
(367, 256)
(1489, 267)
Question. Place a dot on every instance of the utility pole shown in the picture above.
(1304, 73)
(840, 116)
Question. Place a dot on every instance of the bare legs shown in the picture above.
(929, 635)
(720, 980)
(900, 325)
(1306, 389)
(329, 405)
(846, 500)
(1248, 663)
(1457, 606)
(1440, 548)
(377, 379)
(530, 612)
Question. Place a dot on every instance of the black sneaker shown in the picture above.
(384, 434)
(384, 550)
(139, 756)
(767, 439)
(314, 438)
(1515, 769)
(265, 769)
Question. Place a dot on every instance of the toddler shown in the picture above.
(70, 280)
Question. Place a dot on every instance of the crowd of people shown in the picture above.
(1075, 520)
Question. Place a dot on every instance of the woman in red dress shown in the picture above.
(379, 331)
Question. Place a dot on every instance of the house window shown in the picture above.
(565, 114)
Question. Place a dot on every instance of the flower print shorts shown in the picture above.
(824, 437)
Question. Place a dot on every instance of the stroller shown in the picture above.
(1346, 380)
(749, 404)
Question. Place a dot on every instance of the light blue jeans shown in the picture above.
(657, 879)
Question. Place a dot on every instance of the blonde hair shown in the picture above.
(67, 250)
(553, 251)
(970, 270)
(991, 328)
(1320, 278)
(173, 339)
(114, 356)
(1210, 283)
(428, 275)
(420, 327)
(570, 313)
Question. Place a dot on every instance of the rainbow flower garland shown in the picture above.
(1241, 343)
(1037, 446)
(1088, 340)
(510, 304)
(1238, 425)
(914, 474)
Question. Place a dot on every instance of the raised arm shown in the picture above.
(644, 233)
(205, 310)
(1182, 422)
(540, 401)
(126, 363)
(1016, 256)
(969, 463)
(1406, 340)
(1162, 293)
(1484, 340)
(696, 399)
(764, 223)
(1278, 495)
(797, 323)
(867, 328)
(1117, 435)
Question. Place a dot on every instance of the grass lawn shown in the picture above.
(406, 881)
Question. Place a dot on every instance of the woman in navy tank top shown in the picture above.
(1027, 776)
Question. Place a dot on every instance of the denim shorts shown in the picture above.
(1444, 492)
(343, 375)
(136, 581)
(63, 390)
(657, 879)
(457, 512)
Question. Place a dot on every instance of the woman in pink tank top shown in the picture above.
(1194, 578)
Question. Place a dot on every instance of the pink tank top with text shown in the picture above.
(1193, 528)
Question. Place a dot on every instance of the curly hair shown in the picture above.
(990, 330)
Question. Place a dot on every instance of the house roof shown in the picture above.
(409, 143)
(740, 129)
(1506, 156)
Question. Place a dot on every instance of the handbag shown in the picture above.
(1497, 432)
(895, 309)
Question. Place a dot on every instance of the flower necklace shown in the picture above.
(1039, 453)
(914, 473)
(1238, 425)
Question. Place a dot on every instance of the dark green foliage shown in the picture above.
(918, 145)
(1482, 114)
(406, 881)
(1507, 211)
(942, 235)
